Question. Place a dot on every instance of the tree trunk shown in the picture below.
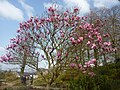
(48, 87)
(22, 75)
(104, 62)
(95, 56)
(23, 78)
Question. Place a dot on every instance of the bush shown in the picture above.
(39, 81)
(2, 75)
(17, 88)
(107, 78)
(10, 76)
(8, 88)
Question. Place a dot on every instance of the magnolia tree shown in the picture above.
(63, 39)
(51, 36)
(110, 21)
(21, 52)
(112, 27)
(89, 45)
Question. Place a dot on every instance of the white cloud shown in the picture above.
(105, 3)
(57, 6)
(2, 49)
(7, 10)
(47, 5)
(29, 10)
(82, 4)
(85, 5)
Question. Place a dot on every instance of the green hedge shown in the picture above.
(107, 78)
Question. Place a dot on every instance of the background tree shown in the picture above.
(21, 52)
(112, 19)
(109, 19)
(63, 39)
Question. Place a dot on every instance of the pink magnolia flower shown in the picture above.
(48, 32)
(88, 43)
(78, 40)
(84, 72)
(38, 36)
(99, 38)
(94, 60)
(62, 34)
(91, 74)
(81, 38)
(12, 46)
(61, 31)
(79, 66)
(4, 58)
(85, 27)
(20, 25)
(76, 57)
(1, 61)
(73, 18)
(87, 64)
(96, 33)
(66, 54)
(42, 19)
(90, 36)
(76, 10)
(65, 14)
(18, 31)
(30, 20)
(92, 25)
(107, 43)
(77, 18)
(72, 65)
(48, 20)
(73, 40)
(93, 46)
(51, 9)
(8, 47)
(66, 19)
(80, 27)
(8, 55)
(58, 53)
(67, 24)
(36, 20)
(106, 35)
(83, 18)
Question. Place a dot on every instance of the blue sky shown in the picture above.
(12, 12)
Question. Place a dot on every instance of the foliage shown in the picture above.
(10, 76)
(63, 39)
(2, 75)
(8, 88)
(17, 88)
(106, 78)
(39, 81)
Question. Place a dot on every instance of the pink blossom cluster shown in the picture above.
(58, 30)
(91, 37)
(84, 68)
(86, 64)
(6, 57)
